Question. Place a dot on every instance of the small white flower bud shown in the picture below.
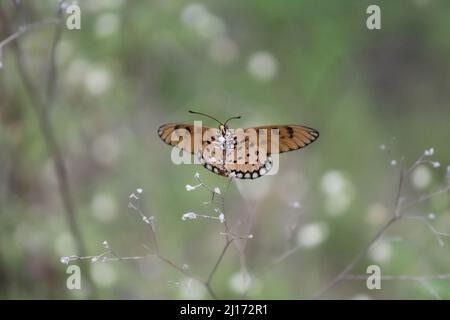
(139, 190)
(429, 152)
(147, 220)
(64, 260)
(435, 164)
(222, 218)
(217, 190)
(189, 216)
(189, 187)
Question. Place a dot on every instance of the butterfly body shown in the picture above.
(241, 153)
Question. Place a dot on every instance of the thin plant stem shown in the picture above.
(41, 106)
(349, 267)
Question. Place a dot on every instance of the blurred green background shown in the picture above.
(136, 65)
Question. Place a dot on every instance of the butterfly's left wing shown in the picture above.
(181, 135)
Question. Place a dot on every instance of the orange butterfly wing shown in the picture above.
(181, 135)
(291, 137)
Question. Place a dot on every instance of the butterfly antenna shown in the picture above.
(238, 117)
(206, 115)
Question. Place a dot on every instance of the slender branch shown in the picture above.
(216, 265)
(146, 219)
(399, 192)
(293, 232)
(230, 237)
(158, 254)
(184, 271)
(41, 106)
(52, 70)
(395, 216)
(134, 204)
(438, 234)
(424, 198)
(430, 289)
(28, 28)
(341, 276)
(399, 212)
(286, 254)
(102, 258)
(177, 267)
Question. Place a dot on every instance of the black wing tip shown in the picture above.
(313, 132)
(160, 129)
(316, 134)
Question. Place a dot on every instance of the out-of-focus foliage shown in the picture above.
(135, 65)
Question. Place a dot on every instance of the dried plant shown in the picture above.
(401, 211)
(217, 197)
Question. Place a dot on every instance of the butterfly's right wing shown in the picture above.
(289, 137)
(183, 135)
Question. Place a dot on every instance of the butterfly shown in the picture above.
(241, 153)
